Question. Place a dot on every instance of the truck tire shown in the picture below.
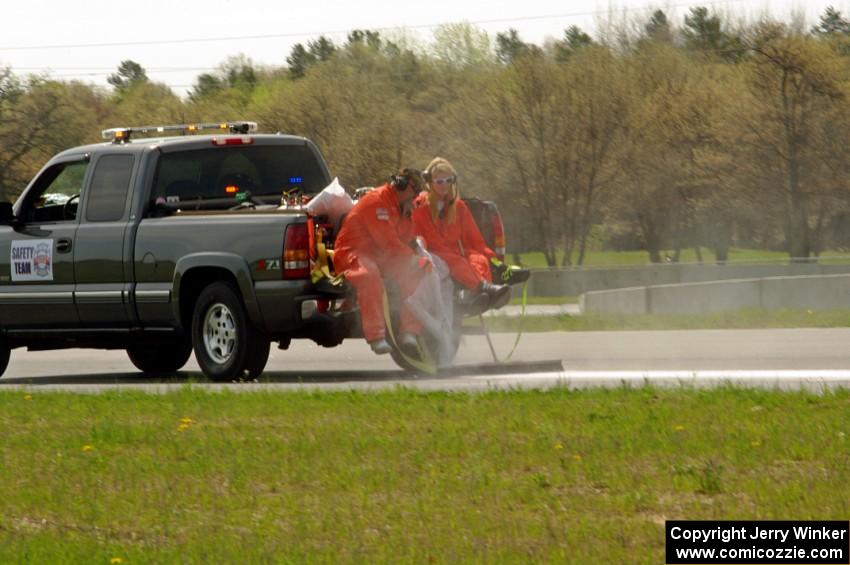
(227, 346)
(258, 357)
(158, 356)
(5, 351)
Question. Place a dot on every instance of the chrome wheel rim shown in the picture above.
(219, 333)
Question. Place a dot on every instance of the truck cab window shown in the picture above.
(109, 186)
(56, 194)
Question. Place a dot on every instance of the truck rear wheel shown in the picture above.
(227, 346)
(158, 356)
(5, 351)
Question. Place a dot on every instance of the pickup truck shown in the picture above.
(165, 245)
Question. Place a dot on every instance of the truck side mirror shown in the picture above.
(7, 216)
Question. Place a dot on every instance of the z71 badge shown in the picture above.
(268, 265)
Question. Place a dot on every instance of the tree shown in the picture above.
(574, 40)
(505, 128)
(658, 28)
(42, 118)
(358, 119)
(237, 76)
(796, 89)
(367, 38)
(656, 191)
(462, 46)
(10, 87)
(509, 47)
(595, 105)
(832, 23)
(301, 58)
(148, 103)
(322, 49)
(702, 32)
(129, 73)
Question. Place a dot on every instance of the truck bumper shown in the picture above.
(289, 310)
(280, 304)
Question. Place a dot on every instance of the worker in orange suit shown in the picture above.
(375, 242)
(444, 221)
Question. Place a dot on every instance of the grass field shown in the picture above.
(635, 258)
(406, 477)
(741, 319)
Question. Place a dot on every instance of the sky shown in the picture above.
(178, 39)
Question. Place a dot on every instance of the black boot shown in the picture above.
(473, 302)
(499, 294)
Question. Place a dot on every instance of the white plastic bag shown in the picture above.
(333, 201)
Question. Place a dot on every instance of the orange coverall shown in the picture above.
(372, 243)
(459, 243)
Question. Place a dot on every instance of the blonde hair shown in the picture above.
(440, 165)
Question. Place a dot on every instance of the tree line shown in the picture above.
(652, 135)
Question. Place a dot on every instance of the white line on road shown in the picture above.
(814, 380)
(817, 381)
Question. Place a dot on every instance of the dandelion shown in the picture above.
(679, 428)
(27, 397)
(116, 561)
(558, 446)
(755, 443)
(841, 435)
(577, 457)
(88, 447)
(184, 424)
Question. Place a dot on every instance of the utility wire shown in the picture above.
(345, 31)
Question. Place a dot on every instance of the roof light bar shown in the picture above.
(122, 135)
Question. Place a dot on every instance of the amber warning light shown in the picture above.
(122, 135)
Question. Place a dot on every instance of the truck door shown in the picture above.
(37, 253)
(102, 289)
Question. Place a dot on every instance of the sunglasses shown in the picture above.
(448, 180)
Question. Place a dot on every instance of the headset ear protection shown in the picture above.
(406, 177)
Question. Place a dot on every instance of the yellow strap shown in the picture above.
(321, 269)
(419, 364)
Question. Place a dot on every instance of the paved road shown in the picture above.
(765, 357)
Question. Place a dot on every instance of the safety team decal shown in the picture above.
(32, 260)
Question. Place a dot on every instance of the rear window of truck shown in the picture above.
(223, 172)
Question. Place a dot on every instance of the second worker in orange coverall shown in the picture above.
(374, 242)
(450, 232)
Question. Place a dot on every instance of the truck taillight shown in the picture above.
(311, 238)
(498, 237)
(296, 252)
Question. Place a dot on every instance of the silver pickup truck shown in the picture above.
(164, 245)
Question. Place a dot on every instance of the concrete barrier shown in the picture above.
(621, 301)
(698, 298)
(815, 292)
(576, 281)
